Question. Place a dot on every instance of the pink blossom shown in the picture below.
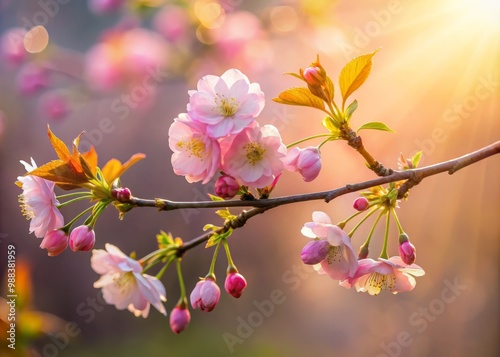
(196, 155)
(55, 242)
(54, 105)
(226, 187)
(254, 157)
(235, 284)
(39, 203)
(385, 274)
(306, 161)
(31, 78)
(227, 104)
(82, 239)
(127, 57)
(179, 319)
(105, 6)
(172, 22)
(205, 295)
(12, 45)
(407, 252)
(123, 283)
(340, 262)
(360, 204)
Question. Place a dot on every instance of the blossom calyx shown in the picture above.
(82, 238)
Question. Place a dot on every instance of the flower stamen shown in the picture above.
(255, 152)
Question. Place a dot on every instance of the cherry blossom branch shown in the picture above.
(412, 178)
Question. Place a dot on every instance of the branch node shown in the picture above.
(160, 204)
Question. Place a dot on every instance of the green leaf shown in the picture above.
(415, 160)
(216, 238)
(206, 227)
(331, 125)
(164, 239)
(350, 109)
(225, 214)
(300, 96)
(375, 125)
(215, 198)
(354, 74)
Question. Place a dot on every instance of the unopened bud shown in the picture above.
(235, 284)
(82, 238)
(315, 251)
(122, 194)
(226, 187)
(360, 204)
(179, 318)
(55, 242)
(407, 252)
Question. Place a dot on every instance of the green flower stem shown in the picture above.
(67, 227)
(360, 222)
(182, 299)
(99, 207)
(341, 224)
(384, 254)
(87, 196)
(400, 228)
(308, 138)
(327, 140)
(211, 273)
(81, 193)
(231, 267)
(367, 242)
(164, 269)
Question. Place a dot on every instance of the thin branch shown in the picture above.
(412, 177)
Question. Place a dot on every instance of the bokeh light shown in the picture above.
(36, 39)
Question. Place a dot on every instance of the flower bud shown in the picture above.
(306, 161)
(407, 252)
(122, 194)
(179, 318)
(55, 242)
(315, 74)
(82, 238)
(205, 295)
(234, 284)
(226, 187)
(315, 251)
(360, 204)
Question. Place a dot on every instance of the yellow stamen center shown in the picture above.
(122, 281)
(26, 210)
(194, 147)
(255, 153)
(225, 106)
(377, 282)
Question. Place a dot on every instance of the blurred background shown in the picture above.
(120, 70)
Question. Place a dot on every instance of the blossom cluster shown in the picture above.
(331, 253)
(220, 132)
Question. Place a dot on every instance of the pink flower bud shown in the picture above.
(226, 187)
(407, 252)
(55, 242)
(306, 161)
(122, 194)
(205, 295)
(234, 284)
(315, 74)
(82, 238)
(360, 204)
(32, 78)
(315, 251)
(179, 319)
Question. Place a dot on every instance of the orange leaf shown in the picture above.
(59, 146)
(114, 168)
(90, 158)
(60, 172)
(300, 96)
